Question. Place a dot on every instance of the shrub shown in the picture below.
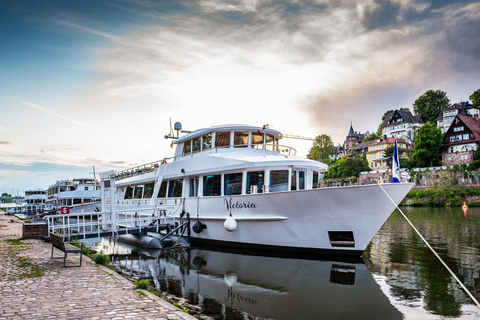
(142, 284)
(101, 258)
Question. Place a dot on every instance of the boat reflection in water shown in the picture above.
(245, 286)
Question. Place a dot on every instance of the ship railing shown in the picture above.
(97, 224)
(152, 166)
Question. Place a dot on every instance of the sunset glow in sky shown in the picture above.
(86, 83)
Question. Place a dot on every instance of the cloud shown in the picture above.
(6, 142)
(53, 113)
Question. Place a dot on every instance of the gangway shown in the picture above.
(102, 224)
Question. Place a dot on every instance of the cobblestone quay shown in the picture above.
(34, 286)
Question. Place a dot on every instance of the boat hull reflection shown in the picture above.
(241, 286)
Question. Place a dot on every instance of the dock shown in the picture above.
(34, 286)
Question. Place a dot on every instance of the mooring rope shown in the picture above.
(430, 247)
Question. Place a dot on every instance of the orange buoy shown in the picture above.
(465, 209)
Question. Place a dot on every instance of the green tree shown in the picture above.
(373, 136)
(428, 144)
(347, 166)
(475, 97)
(388, 153)
(430, 104)
(322, 148)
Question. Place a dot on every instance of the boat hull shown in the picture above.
(299, 221)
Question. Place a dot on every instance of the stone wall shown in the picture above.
(449, 159)
(34, 230)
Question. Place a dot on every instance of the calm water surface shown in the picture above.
(398, 277)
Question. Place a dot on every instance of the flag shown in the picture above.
(395, 165)
(171, 146)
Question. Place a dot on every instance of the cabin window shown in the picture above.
(222, 139)
(278, 180)
(301, 180)
(294, 180)
(129, 193)
(148, 190)
(255, 182)
(315, 180)
(207, 141)
(187, 147)
(77, 201)
(162, 193)
(270, 140)
(137, 193)
(194, 186)
(175, 188)
(212, 185)
(240, 139)
(233, 183)
(257, 138)
(196, 144)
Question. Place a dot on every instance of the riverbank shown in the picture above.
(34, 286)
(421, 196)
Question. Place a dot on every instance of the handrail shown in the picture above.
(151, 166)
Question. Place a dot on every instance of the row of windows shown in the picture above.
(460, 137)
(222, 139)
(232, 185)
(456, 129)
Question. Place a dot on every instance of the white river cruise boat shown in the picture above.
(35, 201)
(77, 194)
(241, 187)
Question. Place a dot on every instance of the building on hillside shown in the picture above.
(362, 148)
(375, 155)
(338, 152)
(353, 139)
(401, 124)
(461, 140)
(446, 117)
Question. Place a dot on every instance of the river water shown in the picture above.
(397, 277)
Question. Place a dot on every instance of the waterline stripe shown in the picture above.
(428, 245)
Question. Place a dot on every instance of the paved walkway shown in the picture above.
(34, 286)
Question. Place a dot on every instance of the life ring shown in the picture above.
(164, 162)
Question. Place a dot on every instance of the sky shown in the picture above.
(88, 83)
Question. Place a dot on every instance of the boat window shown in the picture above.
(137, 193)
(148, 190)
(162, 193)
(255, 182)
(233, 183)
(175, 188)
(194, 186)
(301, 180)
(270, 139)
(278, 180)
(187, 147)
(315, 180)
(196, 144)
(211, 185)
(62, 189)
(294, 180)
(222, 139)
(77, 201)
(257, 138)
(207, 141)
(240, 139)
(129, 193)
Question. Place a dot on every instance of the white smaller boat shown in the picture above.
(35, 201)
(77, 194)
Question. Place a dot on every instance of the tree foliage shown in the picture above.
(428, 144)
(388, 153)
(373, 136)
(322, 148)
(475, 97)
(430, 104)
(347, 166)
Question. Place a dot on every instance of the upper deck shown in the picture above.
(235, 136)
